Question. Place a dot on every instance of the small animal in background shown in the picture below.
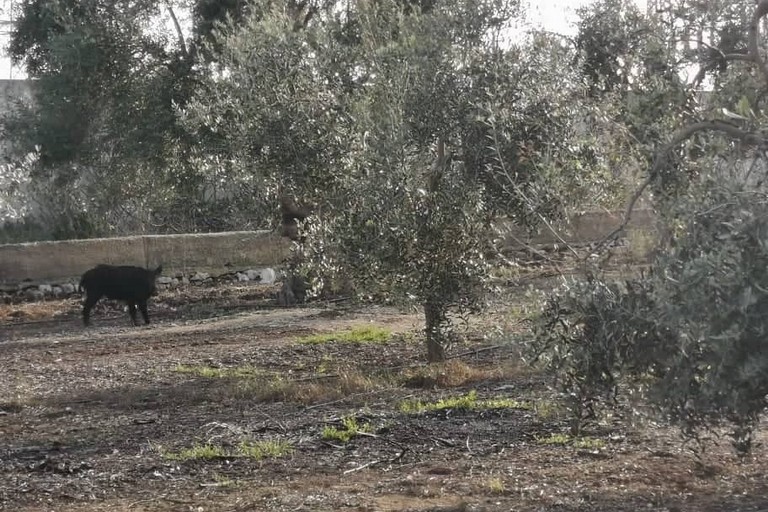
(134, 285)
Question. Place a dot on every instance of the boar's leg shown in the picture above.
(132, 311)
(144, 312)
(90, 301)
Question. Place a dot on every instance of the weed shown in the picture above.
(218, 373)
(554, 439)
(582, 443)
(506, 272)
(271, 449)
(455, 373)
(324, 365)
(350, 428)
(588, 443)
(547, 410)
(246, 449)
(496, 485)
(468, 402)
(324, 388)
(364, 334)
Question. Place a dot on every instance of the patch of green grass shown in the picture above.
(270, 449)
(468, 402)
(325, 365)
(582, 443)
(247, 449)
(549, 410)
(554, 439)
(323, 388)
(208, 372)
(363, 334)
(350, 428)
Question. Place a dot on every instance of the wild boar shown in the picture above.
(134, 285)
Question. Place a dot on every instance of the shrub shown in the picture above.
(689, 336)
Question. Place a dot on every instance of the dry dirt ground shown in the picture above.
(98, 419)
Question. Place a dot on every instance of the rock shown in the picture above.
(253, 275)
(56, 291)
(241, 277)
(34, 294)
(199, 277)
(45, 289)
(267, 275)
(68, 288)
(8, 288)
(164, 280)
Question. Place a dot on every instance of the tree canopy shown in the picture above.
(687, 336)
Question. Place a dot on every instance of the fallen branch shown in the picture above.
(367, 465)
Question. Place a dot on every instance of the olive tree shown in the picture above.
(408, 130)
(688, 336)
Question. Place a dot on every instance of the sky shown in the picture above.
(559, 15)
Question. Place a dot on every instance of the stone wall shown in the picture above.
(185, 254)
(218, 253)
(584, 228)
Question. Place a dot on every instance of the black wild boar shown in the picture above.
(134, 285)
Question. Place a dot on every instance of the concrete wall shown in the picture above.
(177, 253)
(238, 250)
(584, 228)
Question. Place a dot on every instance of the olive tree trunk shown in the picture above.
(435, 319)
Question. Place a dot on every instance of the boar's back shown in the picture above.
(120, 282)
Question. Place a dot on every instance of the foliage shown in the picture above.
(591, 333)
(609, 32)
(408, 131)
(689, 337)
(103, 127)
(289, 108)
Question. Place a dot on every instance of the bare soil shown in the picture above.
(88, 418)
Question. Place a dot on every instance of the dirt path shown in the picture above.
(97, 419)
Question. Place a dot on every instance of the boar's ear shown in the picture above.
(158, 270)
